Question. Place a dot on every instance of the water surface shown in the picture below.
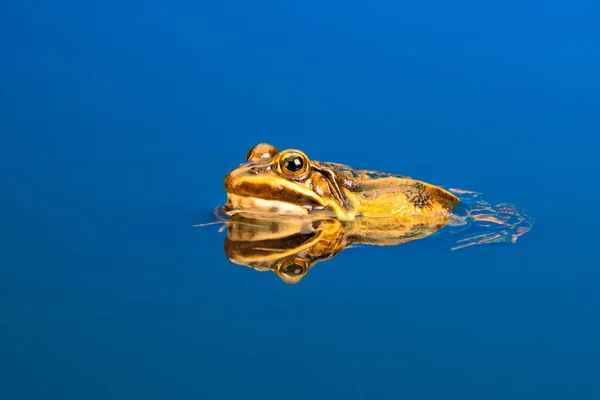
(119, 122)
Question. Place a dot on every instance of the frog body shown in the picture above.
(289, 183)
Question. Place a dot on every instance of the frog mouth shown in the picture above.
(270, 193)
(237, 203)
(273, 194)
(256, 249)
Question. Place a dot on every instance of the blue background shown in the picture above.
(119, 120)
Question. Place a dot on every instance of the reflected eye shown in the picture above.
(293, 164)
(291, 270)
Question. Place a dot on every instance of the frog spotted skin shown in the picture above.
(286, 213)
(289, 183)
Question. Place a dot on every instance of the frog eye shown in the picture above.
(292, 270)
(293, 164)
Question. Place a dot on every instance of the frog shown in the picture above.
(286, 212)
(288, 182)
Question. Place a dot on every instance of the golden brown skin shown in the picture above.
(289, 183)
(289, 247)
(334, 207)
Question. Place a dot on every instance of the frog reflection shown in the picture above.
(290, 246)
(287, 247)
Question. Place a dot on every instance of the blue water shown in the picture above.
(120, 119)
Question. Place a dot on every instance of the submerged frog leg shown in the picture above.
(498, 224)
